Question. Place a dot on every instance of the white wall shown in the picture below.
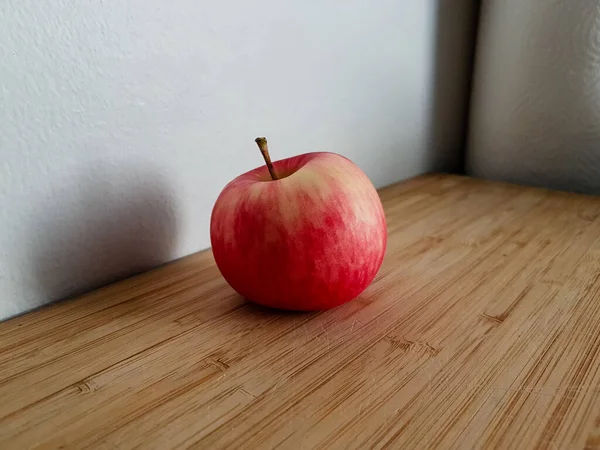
(536, 102)
(121, 120)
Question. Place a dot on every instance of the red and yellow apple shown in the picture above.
(304, 233)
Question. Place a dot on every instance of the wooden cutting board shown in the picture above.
(482, 330)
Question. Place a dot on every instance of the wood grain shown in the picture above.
(480, 331)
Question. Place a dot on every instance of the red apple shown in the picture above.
(304, 233)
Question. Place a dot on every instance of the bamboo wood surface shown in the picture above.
(481, 330)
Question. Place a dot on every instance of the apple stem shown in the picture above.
(264, 149)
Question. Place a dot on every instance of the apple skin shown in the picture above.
(311, 240)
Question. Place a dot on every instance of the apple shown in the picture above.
(305, 233)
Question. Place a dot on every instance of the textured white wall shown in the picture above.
(536, 102)
(121, 120)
